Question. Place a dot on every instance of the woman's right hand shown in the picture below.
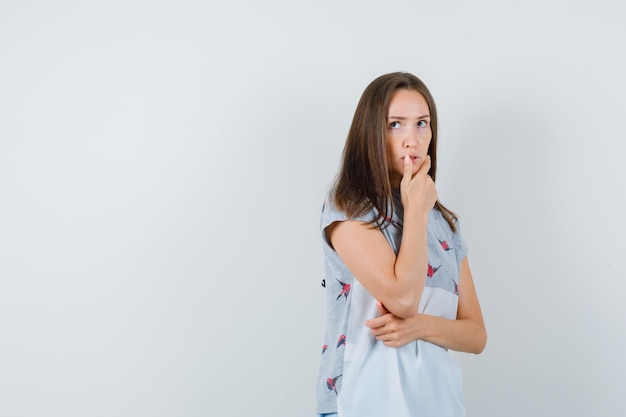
(396, 279)
(417, 191)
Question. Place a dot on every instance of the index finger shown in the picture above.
(408, 168)
(376, 323)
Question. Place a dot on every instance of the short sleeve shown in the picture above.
(331, 214)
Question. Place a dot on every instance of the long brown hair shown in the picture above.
(363, 182)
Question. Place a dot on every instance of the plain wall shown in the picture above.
(163, 164)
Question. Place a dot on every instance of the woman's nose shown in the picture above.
(410, 140)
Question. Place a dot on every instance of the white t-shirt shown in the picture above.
(362, 377)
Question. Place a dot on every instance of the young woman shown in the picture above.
(399, 287)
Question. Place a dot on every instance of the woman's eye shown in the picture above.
(422, 123)
(394, 125)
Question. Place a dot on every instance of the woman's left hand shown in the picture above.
(396, 332)
(465, 333)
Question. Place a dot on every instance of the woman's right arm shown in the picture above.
(396, 281)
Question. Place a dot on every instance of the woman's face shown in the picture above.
(408, 132)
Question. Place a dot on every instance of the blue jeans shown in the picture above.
(327, 415)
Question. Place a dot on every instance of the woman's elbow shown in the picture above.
(406, 313)
(481, 342)
(404, 308)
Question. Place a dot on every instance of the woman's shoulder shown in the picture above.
(332, 213)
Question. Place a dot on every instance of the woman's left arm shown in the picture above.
(465, 334)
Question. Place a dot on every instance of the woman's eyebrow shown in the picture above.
(404, 118)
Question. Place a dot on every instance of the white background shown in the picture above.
(163, 164)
